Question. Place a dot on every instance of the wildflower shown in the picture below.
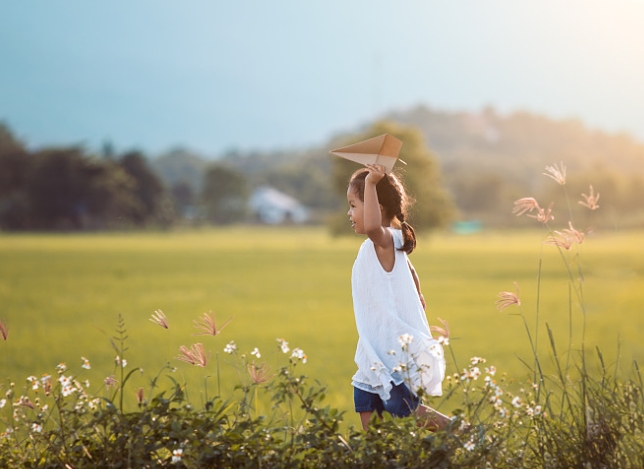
(507, 298)
(111, 381)
(159, 318)
(377, 366)
(283, 345)
(231, 347)
(299, 354)
(475, 373)
(469, 445)
(85, 364)
(4, 329)
(526, 204)
(516, 402)
(46, 383)
(256, 353)
(566, 237)
(25, 402)
(139, 396)
(491, 370)
(3, 402)
(36, 427)
(503, 412)
(122, 362)
(558, 174)
(61, 368)
(208, 326)
(259, 374)
(405, 340)
(443, 332)
(544, 216)
(93, 404)
(477, 360)
(560, 240)
(35, 384)
(195, 355)
(176, 456)
(537, 410)
(590, 199)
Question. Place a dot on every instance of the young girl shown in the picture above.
(397, 357)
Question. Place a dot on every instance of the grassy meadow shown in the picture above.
(61, 296)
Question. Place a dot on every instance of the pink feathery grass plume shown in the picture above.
(208, 326)
(4, 329)
(507, 298)
(526, 204)
(139, 396)
(590, 199)
(195, 355)
(159, 318)
(556, 173)
(566, 237)
(259, 374)
(543, 216)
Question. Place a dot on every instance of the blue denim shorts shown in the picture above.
(401, 401)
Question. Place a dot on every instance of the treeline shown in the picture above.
(479, 162)
(67, 188)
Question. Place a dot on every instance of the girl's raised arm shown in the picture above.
(374, 225)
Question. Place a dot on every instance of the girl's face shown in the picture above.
(356, 209)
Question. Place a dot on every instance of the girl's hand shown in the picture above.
(376, 173)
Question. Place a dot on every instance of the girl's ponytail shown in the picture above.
(409, 235)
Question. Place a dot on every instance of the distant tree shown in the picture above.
(148, 190)
(15, 166)
(433, 206)
(68, 190)
(225, 194)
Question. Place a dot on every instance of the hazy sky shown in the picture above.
(214, 75)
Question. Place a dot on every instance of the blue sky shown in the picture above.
(215, 76)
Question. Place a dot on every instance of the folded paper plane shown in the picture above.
(381, 150)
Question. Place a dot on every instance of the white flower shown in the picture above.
(516, 402)
(475, 373)
(537, 410)
(443, 340)
(231, 347)
(35, 384)
(2, 403)
(491, 370)
(477, 360)
(299, 353)
(120, 362)
(283, 345)
(61, 367)
(176, 455)
(469, 445)
(36, 427)
(256, 353)
(86, 364)
(405, 340)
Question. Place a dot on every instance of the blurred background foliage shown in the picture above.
(461, 166)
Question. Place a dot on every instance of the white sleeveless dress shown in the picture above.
(387, 308)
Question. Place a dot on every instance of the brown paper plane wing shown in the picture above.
(378, 150)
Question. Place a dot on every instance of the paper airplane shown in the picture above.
(381, 150)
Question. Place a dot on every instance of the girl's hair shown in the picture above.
(394, 200)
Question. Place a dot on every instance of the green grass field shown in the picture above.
(61, 296)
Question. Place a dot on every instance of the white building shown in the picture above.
(274, 207)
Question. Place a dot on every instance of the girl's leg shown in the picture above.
(365, 418)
